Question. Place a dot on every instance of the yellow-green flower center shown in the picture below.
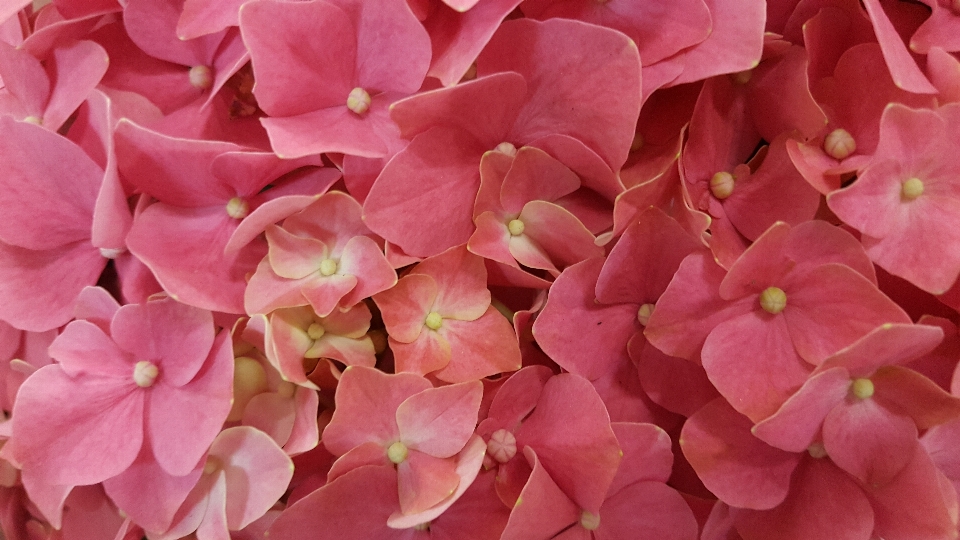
(862, 388)
(515, 226)
(145, 373)
(433, 321)
(397, 452)
(358, 100)
(773, 300)
(722, 184)
(912, 189)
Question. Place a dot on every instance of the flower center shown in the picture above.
(721, 185)
(515, 227)
(433, 321)
(589, 520)
(839, 144)
(237, 208)
(315, 331)
(328, 267)
(912, 189)
(862, 388)
(506, 148)
(145, 373)
(35, 120)
(358, 100)
(644, 313)
(502, 445)
(201, 77)
(397, 452)
(817, 451)
(773, 300)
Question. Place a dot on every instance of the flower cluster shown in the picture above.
(479, 269)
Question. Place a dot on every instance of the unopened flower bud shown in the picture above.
(145, 373)
(839, 144)
(237, 208)
(773, 300)
(201, 77)
(721, 185)
(358, 100)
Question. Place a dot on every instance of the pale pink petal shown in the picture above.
(479, 348)
(439, 421)
(543, 509)
(404, 307)
(426, 354)
(294, 257)
(364, 259)
(424, 481)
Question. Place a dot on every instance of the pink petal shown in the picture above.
(740, 469)
(441, 167)
(152, 26)
(294, 257)
(735, 42)
(367, 401)
(201, 17)
(598, 107)
(77, 68)
(424, 481)
(647, 454)
(404, 308)
(267, 292)
(574, 440)
(534, 175)
(439, 421)
(364, 259)
(461, 283)
(905, 392)
(37, 163)
(84, 348)
(76, 431)
(368, 453)
(902, 67)
(796, 425)
(272, 414)
(335, 128)
(491, 239)
(183, 421)
(426, 354)
(752, 362)
(355, 506)
(867, 441)
(94, 304)
(819, 488)
(558, 233)
(648, 509)
(251, 459)
(26, 81)
(889, 344)
(479, 348)
(175, 336)
(38, 288)
(543, 508)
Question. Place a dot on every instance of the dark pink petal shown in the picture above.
(558, 233)
(796, 425)
(486, 108)
(257, 473)
(369, 453)
(581, 335)
(152, 26)
(543, 508)
(405, 306)
(832, 306)
(908, 393)
(353, 507)
(598, 105)
(762, 265)
(439, 421)
(201, 17)
(477, 515)
(919, 503)
(458, 36)
(515, 400)
(679, 386)
(175, 336)
(740, 469)
(299, 67)
(48, 189)
(752, 362)
(867, 441)
(646, 510)
(183, 421)
(534, 175)
(367, 401)
(647, 454)
(175, 171)
(691, 308)
(184, 247)
(248, 172)
(735, 42)
(38, 288)
(424, 481)
(819, 489)
(889, 344)
(437, 170)
(76, 431)
(84, 348)
(817, 242)
(26, 82)
(573, 439)
(906, 74)
(645, 259)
